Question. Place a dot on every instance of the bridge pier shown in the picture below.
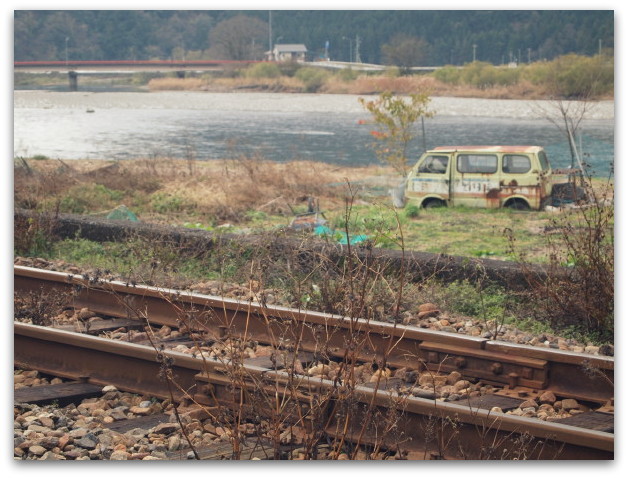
(73, 79)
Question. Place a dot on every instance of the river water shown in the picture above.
(280, 127)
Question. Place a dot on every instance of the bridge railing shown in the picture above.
(127, 63)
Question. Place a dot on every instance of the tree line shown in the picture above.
(423, 38)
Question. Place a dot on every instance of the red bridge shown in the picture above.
(128, 65)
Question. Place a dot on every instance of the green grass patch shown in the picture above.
(145, 261)
(164, 203)
(462, 297)
(168, 265)
(86, 198)
(461, 231)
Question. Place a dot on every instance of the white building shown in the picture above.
(294, 52)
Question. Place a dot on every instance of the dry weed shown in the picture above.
(217, 190)
(177, 84)
(398, 85)
(282, 84)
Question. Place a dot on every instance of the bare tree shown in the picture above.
(405, 51)
(239, 38)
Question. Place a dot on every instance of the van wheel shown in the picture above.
(431, 203)
(518, 205)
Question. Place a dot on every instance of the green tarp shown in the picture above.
(122, 213)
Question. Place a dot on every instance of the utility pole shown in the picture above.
(357, 50)
(529, 55)
(270, 32)
(272, 55)
(599, 47)
(350, 48)
(474, 47)
(66, 50)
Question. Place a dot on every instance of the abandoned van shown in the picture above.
(518, 177)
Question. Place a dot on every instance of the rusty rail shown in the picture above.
(567, 374)
(136, 368)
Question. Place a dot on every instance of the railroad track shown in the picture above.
(148, 416)
(388, 411)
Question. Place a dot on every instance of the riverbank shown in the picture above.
(354, 85)
(574, 77)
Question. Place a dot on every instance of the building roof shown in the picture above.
(291, 48)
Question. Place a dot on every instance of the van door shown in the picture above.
(431, 177)
(475, 180)
(546, 176)
(520, 178)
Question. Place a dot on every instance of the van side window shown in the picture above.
(516, 164)
(434, 164)
(477, 163)
(543, 160)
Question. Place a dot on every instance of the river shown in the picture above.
(280, 127)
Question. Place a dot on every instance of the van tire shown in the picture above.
(517, 204)
(433, 203)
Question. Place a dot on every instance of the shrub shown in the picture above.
(84, 198)
(411, 211)
(448, 74)
(569, 76)
(164, 203)
(392, 72)
(574, 76)
(579, 289)
(312, 78)
(347, 74)
(34, 235)
(484, 75)
(288, 68)
(263, 70)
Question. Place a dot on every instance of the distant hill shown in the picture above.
(451, 36)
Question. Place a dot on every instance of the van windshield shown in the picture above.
(434, 164)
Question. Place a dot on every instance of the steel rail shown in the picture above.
(131, 367)
(567, 374)
(477, 433)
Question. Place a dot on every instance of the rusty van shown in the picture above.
(519, 177)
